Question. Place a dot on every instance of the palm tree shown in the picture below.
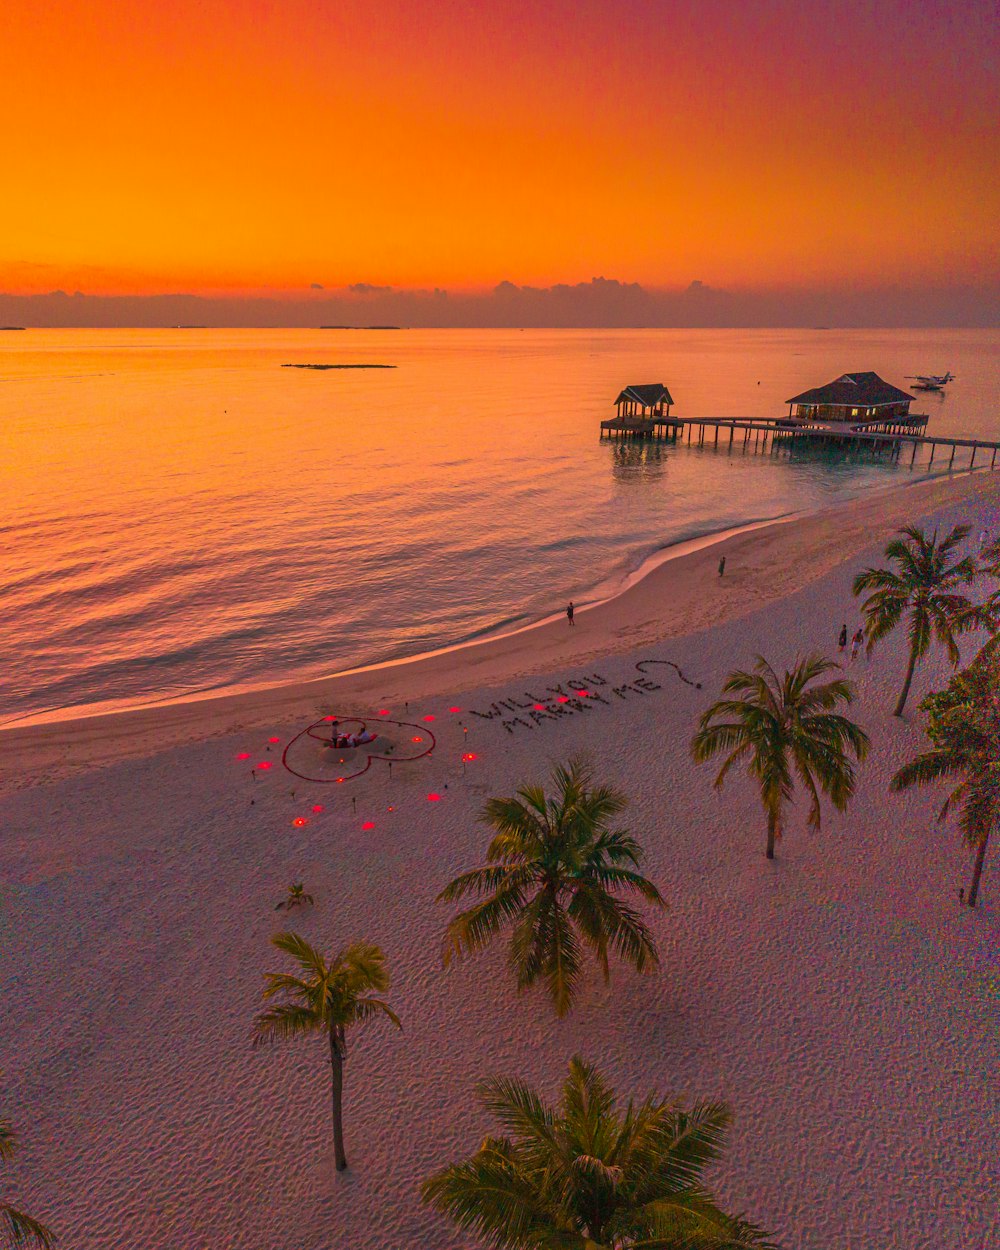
(296, 897)
(586, 1175)
(783, 727)
(16, 1228)
(552, 872)
(963, 724)
(923, 588)
(329, 998)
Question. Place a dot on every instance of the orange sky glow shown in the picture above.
(243, 147)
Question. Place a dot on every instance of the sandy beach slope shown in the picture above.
(839, 997)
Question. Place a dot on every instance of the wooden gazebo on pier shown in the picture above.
(643, 410)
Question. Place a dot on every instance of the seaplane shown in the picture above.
(930, 381)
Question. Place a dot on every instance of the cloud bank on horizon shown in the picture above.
(601, 302)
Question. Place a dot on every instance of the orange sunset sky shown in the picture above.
(235, 147)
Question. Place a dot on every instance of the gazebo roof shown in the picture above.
(647, 396)
(853, 390)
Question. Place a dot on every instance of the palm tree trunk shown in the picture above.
(906, 684)
(772, 829)
(337, 1089)
(977, 870)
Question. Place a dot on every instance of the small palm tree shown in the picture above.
(296, 897)
(16, 1228)
(585, 1175)
(922, 587)
(783, 727)
(963, 724)
(553, 869)
(329, 998)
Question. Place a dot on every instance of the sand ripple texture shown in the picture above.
(839, 998)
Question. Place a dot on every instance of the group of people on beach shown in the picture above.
(856, 640)
(343, 741)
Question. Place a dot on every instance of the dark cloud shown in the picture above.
(597, 303)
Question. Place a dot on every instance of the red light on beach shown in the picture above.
(430, 718)
(563, 698)
(243, 755)
(584, 694)
(416, 739)
(369, 824)
(470, 756)
(391, 809)
(329, 718)
(299, 821)
(318, 807)
(274, 739)
(383, 711)
(433, 798)
(539, 707)
(264, 764)
(454, 709)
(339, 780)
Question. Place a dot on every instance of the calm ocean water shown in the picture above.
(180, 514)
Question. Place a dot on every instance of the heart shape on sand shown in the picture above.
(300, 756)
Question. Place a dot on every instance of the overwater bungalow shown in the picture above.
(860, 401)
(651, 398)
(643, 412)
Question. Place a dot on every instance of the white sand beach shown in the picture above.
(838, 997)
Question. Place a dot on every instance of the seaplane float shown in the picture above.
(930, 381)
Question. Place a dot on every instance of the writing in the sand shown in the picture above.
(568, 699)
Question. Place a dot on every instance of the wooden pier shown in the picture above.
(760, 433)
(642, 427)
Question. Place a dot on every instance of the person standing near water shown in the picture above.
(843, 636)
(856, 642)
(569, 613)
(722, 566)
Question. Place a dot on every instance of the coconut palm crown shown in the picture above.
(963, 724)
(589, 1175)
(782, 728)
(16, 1228)
(923, 588)
(329, 997)
(554, 871)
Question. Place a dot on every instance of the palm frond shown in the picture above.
(20, 1229)
(284, 1021)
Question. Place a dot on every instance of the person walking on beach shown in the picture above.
(856, 642)
(722, 566)
(569, 613)
(843, 636)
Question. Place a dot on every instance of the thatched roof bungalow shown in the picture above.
(635, 400)
(854, 397)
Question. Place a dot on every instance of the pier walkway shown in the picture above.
(760, 432)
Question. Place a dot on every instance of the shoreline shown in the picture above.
(614, 584)
(674, 592)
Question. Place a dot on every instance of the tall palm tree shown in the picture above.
(586, 1175)
(923, 587)
(329, 998)
(783, 727)
(554, 867)
(16, 1228)
(963, 724)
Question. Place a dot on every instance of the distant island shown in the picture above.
(11, 327)
(361, 327)
(338, 366)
